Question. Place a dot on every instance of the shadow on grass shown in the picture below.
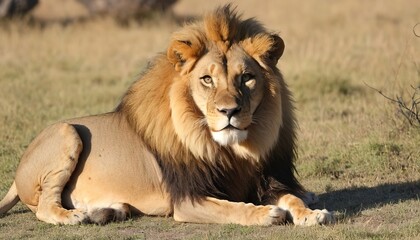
(353, 200)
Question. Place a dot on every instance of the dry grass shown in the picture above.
(356, 151)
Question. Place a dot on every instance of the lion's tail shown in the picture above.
(9, 200)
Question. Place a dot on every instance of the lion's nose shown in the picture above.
(229, 112)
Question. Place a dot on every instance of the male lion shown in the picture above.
(207, 135)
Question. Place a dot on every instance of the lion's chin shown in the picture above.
(229, 136)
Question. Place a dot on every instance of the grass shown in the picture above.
(355, 150)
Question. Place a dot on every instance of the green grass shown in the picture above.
(355, 150)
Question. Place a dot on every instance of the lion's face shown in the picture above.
(227, 88)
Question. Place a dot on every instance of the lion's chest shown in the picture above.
(234, 181)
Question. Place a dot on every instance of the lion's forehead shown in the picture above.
(226, 66)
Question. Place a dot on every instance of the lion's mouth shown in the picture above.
(230, 127)
(229, 135)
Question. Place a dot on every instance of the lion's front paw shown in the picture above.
(314, 217)
(272, 215)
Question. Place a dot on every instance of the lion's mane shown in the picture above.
(160, 109)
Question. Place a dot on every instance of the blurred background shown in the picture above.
(353, 67)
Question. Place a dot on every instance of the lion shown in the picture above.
(207, 134)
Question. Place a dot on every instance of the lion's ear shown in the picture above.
(183, 53)
(266, 49)
(277, 49)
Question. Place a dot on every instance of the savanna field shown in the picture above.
(357, 152)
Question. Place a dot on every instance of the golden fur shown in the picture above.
(209, 126)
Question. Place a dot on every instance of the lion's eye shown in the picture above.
(207, 80)
(248, 80)
(246, 77)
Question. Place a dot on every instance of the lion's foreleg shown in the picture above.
(300, 214)
(212, 210)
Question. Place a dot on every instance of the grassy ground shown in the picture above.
(355, 150)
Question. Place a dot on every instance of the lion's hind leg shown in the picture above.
(45, 169)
